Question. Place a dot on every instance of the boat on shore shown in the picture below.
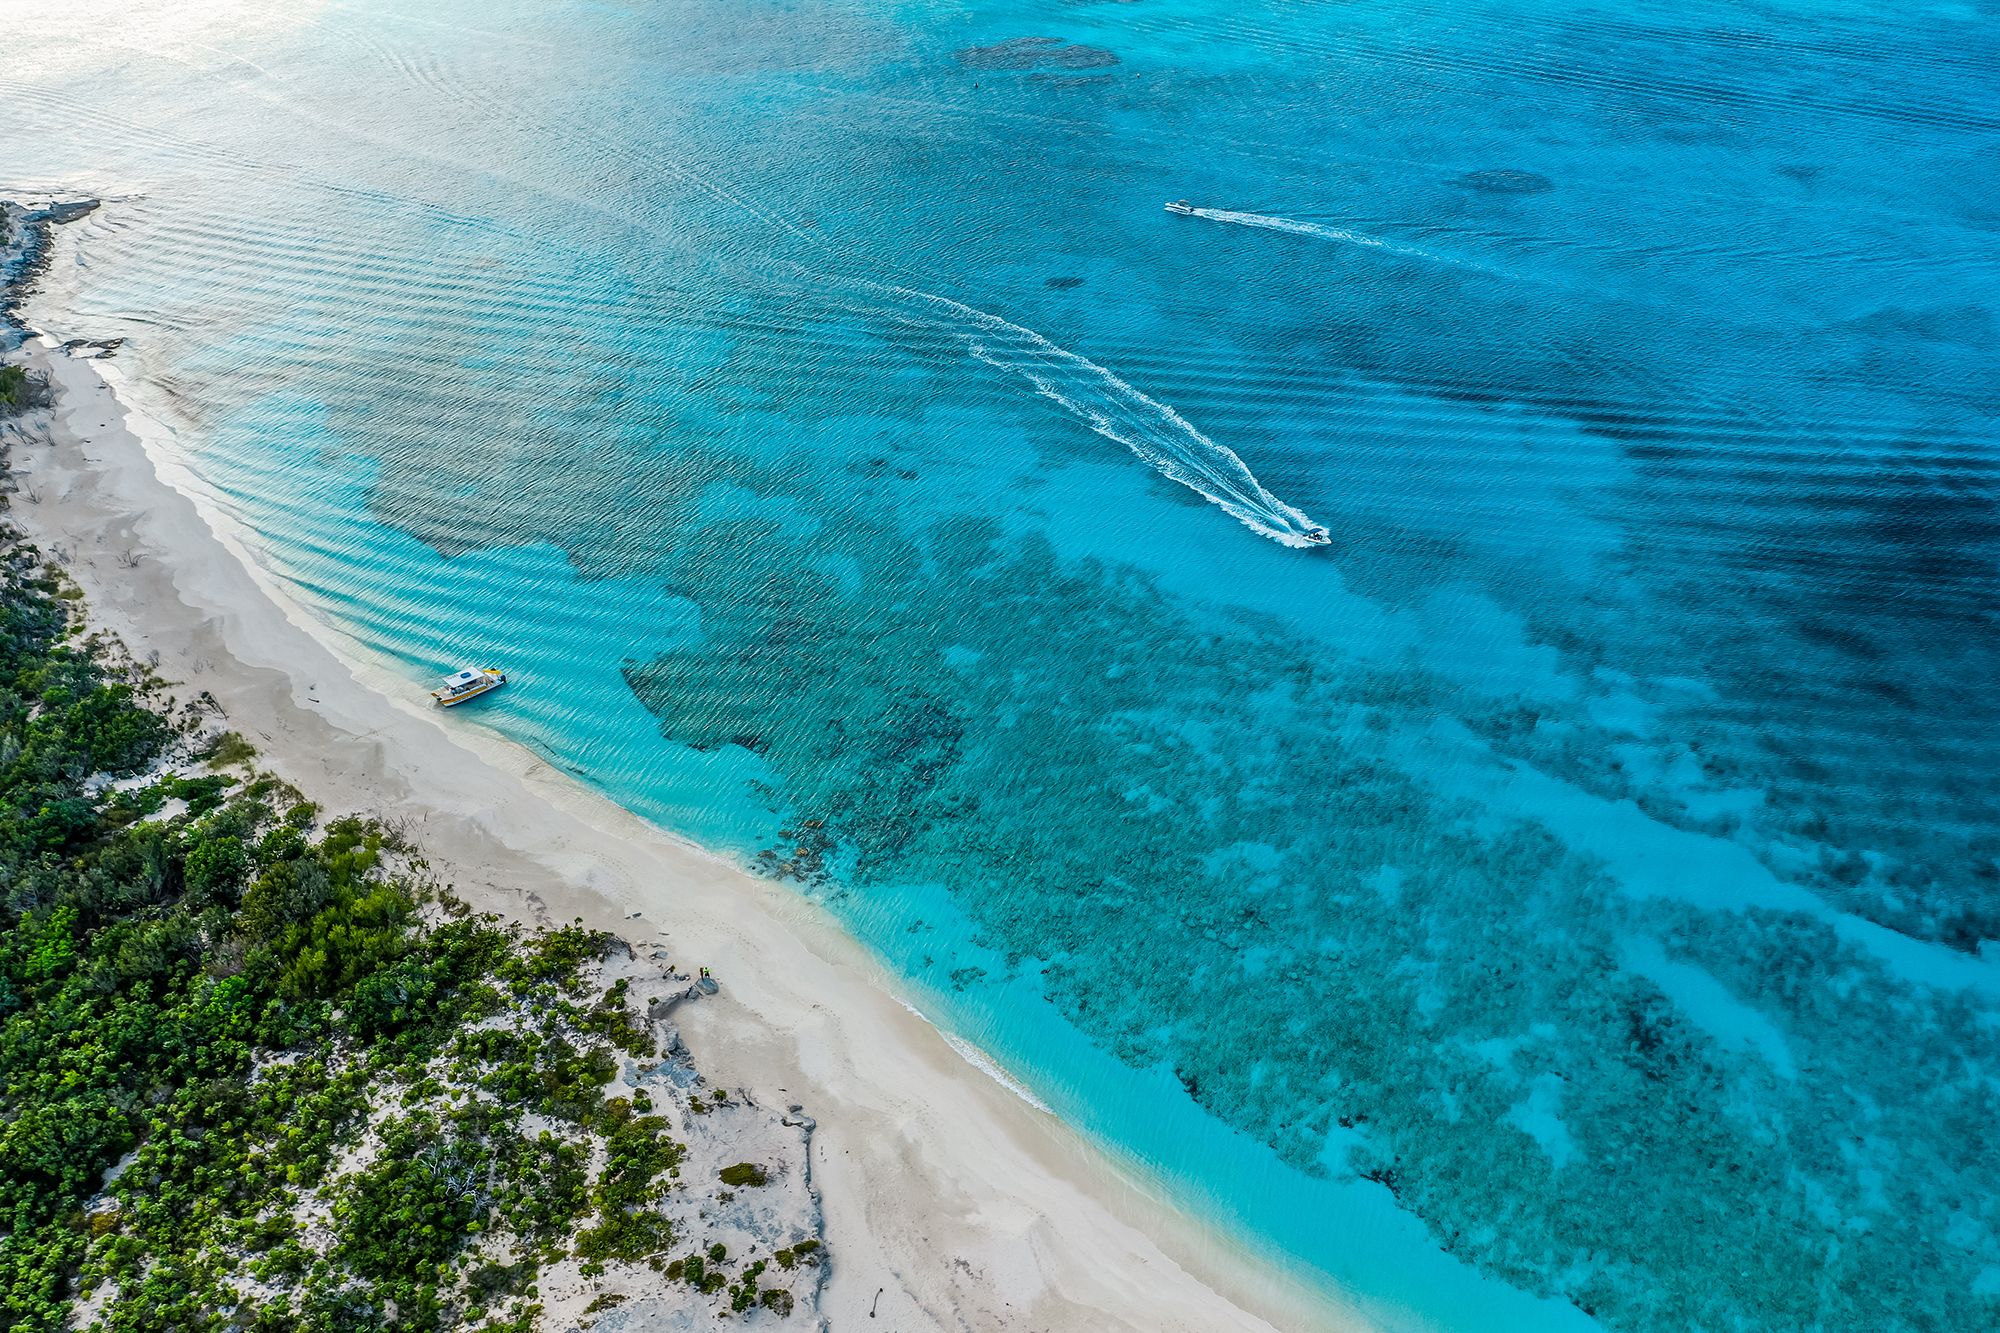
(467, 684)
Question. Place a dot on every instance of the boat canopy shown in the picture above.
(462, 678)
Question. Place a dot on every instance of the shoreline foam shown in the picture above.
(950, 1201)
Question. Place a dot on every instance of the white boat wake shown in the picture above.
(1117, 411)
(1110, 406)
(1296, 228)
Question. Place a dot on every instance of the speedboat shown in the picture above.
(1181, 206)
(463, 685)
(1317, 536)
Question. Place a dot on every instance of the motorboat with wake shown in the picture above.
(467, 684)
(1181, 206)
(1317, 536)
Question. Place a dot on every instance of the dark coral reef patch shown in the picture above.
(1036, 53)
(1506, 182)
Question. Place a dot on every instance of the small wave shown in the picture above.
(1119, 412)
(979, 1060)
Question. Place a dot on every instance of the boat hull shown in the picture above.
(442, 700)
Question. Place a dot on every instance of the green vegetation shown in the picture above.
(17, 389)
(258, 1076)
(794, 1255)
(744, 1173)
(228, 750)
(703, 1272)
(638, 1154)
(21, 390)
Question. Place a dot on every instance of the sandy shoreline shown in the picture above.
(950, 1202)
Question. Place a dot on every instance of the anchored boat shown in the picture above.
(463, 685)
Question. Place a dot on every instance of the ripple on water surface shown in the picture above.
(1573, 878)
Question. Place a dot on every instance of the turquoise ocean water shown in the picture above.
(1565, 899)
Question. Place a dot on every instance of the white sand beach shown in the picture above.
(950, 1202)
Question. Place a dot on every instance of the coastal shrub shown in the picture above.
(743, 1173)
(490, 1280)
(409, 1211)
(201, 795)
(637, 1153)
(627, 1237)
(569, 1082)
(18, 389)
(612, 1018)
(228, 750)
(255, 1021)
(214, 869)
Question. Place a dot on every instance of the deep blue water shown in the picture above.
(1571, 893)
